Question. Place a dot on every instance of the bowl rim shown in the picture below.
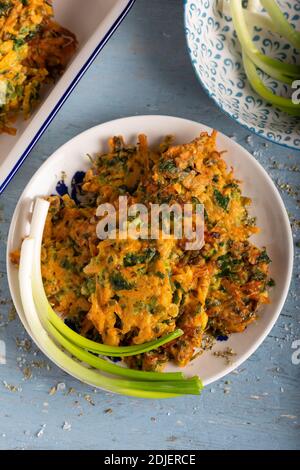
(289, 242)
(214, 99)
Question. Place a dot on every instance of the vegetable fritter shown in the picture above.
(34, 50)
(130, 291)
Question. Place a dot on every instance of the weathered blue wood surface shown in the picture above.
(145, 69)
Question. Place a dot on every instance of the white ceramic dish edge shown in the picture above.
(166, 124)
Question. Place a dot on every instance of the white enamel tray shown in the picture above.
(266, 205)
(93, 25)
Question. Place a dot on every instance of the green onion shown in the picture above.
(144, 389)
(253, 18)
(36, 231)
(290, 111)
(116, 378)
(106, 350)
(277, 73)
(262, 90)
(284, 28)
(253, 58)
(240, 24)
(107, 366)
(170, 379)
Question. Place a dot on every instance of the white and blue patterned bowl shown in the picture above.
(216, 56)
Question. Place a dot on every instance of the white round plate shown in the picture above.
(267, 206)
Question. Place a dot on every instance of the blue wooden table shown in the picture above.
(145, 69)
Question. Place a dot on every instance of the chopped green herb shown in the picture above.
(258, 275)
(152, 304)
(232, 185)
(263, 257)
(118, 282)
(159, 274)
(88, 287)
(18, 42)
(168, 166)
(227, 265)
(177, 290)
(175, 298)
(221, 200)
(66, 264)
(132, 259)
(177, 285)
(4, 7)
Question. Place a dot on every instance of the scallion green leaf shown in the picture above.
(284, 28)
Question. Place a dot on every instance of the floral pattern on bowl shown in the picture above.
(216, 56)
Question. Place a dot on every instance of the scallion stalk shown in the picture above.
(137, 388)
(284, 28)
(237, 11)
(130, 382)
(262, 90)
(106, 350)
(290, 111)
(109, 367)
(277, 73)
(253, 58)
(39, 216)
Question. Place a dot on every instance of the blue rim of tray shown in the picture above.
(66, 94)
